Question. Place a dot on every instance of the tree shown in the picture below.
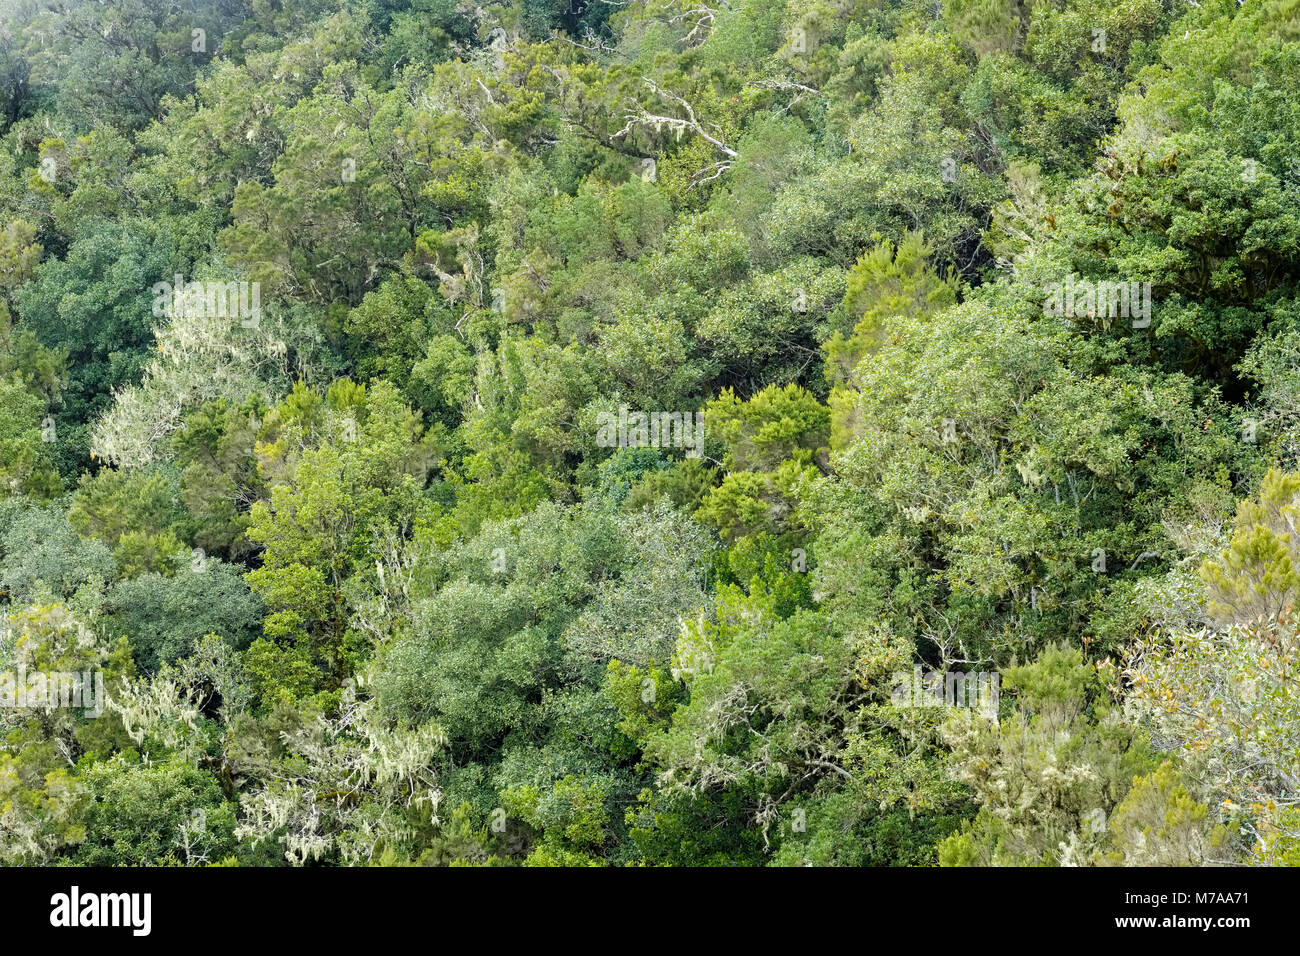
(1221, 688)
(1049, 777)
(94, 306)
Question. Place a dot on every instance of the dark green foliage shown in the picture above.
(164, 616)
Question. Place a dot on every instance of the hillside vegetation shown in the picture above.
(552, 432)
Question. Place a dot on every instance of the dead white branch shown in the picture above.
(642, 117)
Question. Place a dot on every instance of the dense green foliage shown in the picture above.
(618, 399)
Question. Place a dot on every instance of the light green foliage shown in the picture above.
(884, 283)
(773, 441)
(775, 425)
(986, 26)
(43, 801)
(25, 466)
(1222, 689)
(136, 514)
(1255, 579)
(352, 463)
(1161, 824)
(1049, 776)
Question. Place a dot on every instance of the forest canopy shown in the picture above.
(650, 432)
